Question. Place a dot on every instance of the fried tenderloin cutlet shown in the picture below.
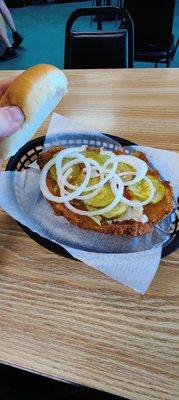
(154, 212)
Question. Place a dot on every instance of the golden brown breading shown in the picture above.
(155, 212)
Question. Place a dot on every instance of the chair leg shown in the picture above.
(99, 24)
(175, 50)
(91, 21)
(118, 5)
(98, 18)
(91, 18)
(156, 64)
(171, 57)
(168, 60)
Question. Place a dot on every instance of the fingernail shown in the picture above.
(16, 114)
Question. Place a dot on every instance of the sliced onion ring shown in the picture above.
(102, 168)
(81, 197)
(79, 189)
(65, 182)
(118, 192)
(139, 165)
(109, 175)
(63, 198)
(74, 162)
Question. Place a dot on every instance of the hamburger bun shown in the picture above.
(37, 91)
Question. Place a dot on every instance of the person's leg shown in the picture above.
(17, 38)
(7, 16)
(9, 51)
(3, 33)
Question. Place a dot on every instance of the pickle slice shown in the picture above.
(125, 168)
(95, 218)
(102, 199)
(72, 177)
(96, 156)
(117, 211)
(159, 190)
(55, 189)
(53, 173)
(140, 191)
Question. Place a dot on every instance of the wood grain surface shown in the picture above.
(66, 320)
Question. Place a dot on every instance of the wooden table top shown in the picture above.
(66, 320)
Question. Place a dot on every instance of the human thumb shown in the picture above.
(11, 119)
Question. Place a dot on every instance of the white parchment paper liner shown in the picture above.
(20, 197)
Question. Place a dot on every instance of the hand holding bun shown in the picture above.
(37, 91)
(11, 119)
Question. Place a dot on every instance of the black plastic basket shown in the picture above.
(29, 153)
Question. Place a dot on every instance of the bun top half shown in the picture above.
(34, 87)
(37, 91)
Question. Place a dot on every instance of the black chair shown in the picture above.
(104, 3)
(153, 23)
(99, 49)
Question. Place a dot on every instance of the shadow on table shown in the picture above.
(16, 384)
